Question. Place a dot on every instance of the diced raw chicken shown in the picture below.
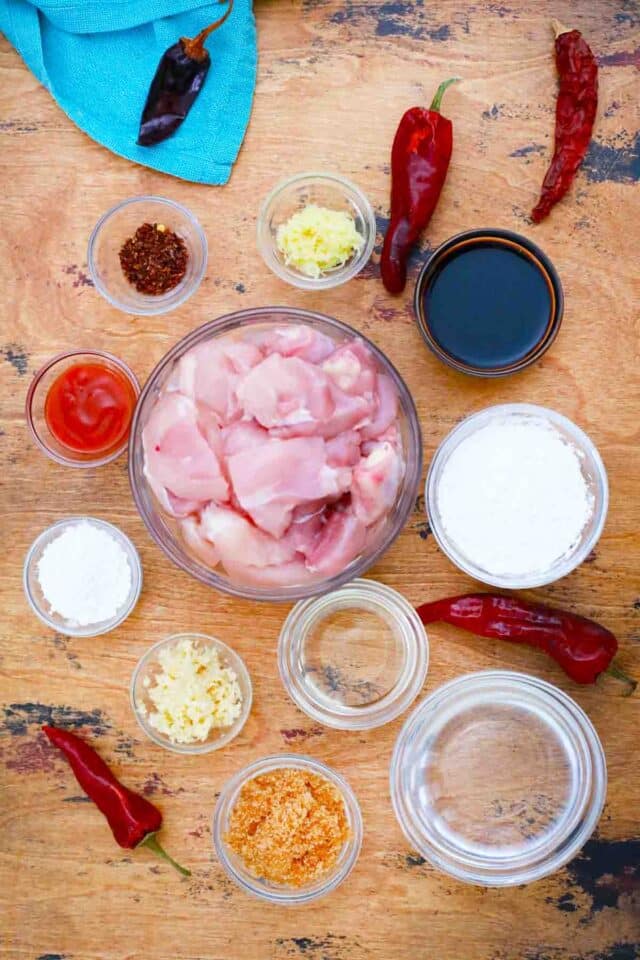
(210, 372)
(350, 413)
(272, 479)
(177, 456)
(375, 483)
(307, 523)
(391, 435)
(386, 410)
(289, 574)
(193, 536)
(340, 542)
(242, 435)
(240, 543)
(294, 340)
(344, 450)
(353, 369)
(286, 392)
(175, 506)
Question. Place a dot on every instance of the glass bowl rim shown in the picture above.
(257, 315)
(341, 274)
(536, 578)
(593, 790)
(136, 578)
(168, 301)
(36, 380)
(237, 664)
(488, 233)
(410, 677)
(279, 761)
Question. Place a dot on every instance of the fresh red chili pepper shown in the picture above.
(419, 162)
(134, 821)
(575, 115)
(178, 80)
(582, 647)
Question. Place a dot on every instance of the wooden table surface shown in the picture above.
(334, 78)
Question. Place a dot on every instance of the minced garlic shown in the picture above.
(288, 826)
(315, 240)
(192, 694)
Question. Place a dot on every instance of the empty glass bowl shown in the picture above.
(498, 778)
(592, 469)
(149, 667)
(355, 658)
(266, 889)
(37, 600)
(120, 223)
(325, 190)
(165, 530)
(35, 404)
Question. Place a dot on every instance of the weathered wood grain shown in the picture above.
(335, 75)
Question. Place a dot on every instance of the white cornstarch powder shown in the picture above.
(512, 496)
(85, 575)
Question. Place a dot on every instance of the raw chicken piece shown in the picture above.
(209, 374)
(289, 574)
(175, 506)
(375, 483)
(295, 341)
(193, 536)
(340, 542)
(386, 410)
(177, 456)
(353, 369)
(307, 523)
(286, 392)
(272, 479)
(391, 435)
(344, 450)
(243, 435)
(239, 543)
(350, 413)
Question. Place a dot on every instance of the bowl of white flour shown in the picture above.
(517, 496)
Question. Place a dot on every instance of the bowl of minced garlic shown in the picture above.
(287, 828)
(191, 693)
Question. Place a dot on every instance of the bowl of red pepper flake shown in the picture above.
(147, 255)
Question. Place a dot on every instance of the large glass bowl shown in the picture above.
(164, 529)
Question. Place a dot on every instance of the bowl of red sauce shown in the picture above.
(80, 406)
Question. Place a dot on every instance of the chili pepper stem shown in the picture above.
(194, 46)
(559, 27)
(151, 841)
(615, 671)
(437, 100)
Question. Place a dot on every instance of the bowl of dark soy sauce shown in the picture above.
(489, 302)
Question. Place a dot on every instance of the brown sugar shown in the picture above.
(288, 826)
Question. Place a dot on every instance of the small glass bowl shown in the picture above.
(37, 395)
(265, 889)
(326, 190)
(120, 223)
(354, 659)
(498, 778)
(37, 600)
(593, 471)
(149, 666)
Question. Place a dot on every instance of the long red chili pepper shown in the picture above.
(134, 821)
(575, 115)
(582, 647)
(419, 163)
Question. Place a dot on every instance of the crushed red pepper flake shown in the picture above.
(154, 260)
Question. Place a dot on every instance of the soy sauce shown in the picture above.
(487, 303)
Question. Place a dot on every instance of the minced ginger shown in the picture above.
(288, 826)
(316, 240)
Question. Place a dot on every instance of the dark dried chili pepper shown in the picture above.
(582, 647)
(419, 162)
(154, 260)
(133, 820)
(575, 115)
(178, 80)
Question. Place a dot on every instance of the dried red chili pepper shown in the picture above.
(419, 162)
(178, 80)
(575, 114)
(582, 647)
(134, 821)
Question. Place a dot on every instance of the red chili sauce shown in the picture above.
(89, 407)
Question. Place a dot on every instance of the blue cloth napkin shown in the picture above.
(98, 57)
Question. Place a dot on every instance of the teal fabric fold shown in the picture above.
(98, 57)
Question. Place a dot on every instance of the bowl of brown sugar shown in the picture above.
(287, 828)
